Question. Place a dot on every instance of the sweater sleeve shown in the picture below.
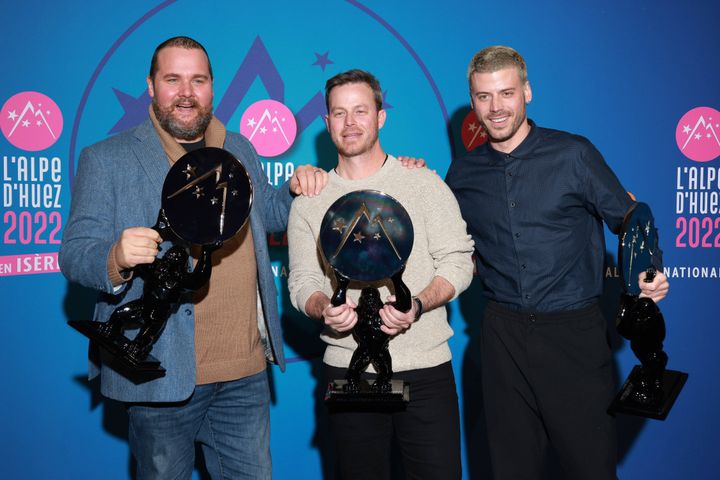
(449, 244)
(306, 274)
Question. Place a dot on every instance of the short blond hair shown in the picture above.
(497, 57)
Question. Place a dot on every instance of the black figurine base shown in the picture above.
(398, 396)
(115, 355)
(673, 382)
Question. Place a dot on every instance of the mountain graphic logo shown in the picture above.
(697, 134)
(270, 126)
(31, 121)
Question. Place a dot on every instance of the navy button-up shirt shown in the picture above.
(536, 217)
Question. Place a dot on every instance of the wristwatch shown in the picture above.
(418, 308)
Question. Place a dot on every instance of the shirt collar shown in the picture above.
(526, 147)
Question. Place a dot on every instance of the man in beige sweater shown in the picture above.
(438, 269)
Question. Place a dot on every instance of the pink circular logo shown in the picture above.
(270, 126)
(31, 121)
(697, 134)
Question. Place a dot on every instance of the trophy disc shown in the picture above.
(366, 235)
(638, 246)
(207, 196)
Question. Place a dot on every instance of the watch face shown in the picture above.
(207, 196)
(366, 235)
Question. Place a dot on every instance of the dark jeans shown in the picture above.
(427, 430)
(547, 380)
(230, 420)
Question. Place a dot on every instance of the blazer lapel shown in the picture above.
(151, 155)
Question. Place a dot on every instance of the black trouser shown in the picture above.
(547, 380)
(427, 430)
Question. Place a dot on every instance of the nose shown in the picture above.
(349, 119)
(185, 89)
(495, 104)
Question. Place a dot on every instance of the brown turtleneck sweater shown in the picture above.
(227, 340)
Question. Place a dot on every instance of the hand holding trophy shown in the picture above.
(367, 236)
(206, 199)
(650, 389)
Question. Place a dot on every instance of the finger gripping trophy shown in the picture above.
(650, 389)
(367, 236)
(206, 199)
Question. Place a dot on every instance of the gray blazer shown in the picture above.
(118, 185)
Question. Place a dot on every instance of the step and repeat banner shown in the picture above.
(639, 79)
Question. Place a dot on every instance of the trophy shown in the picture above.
(366, 236)
(206, 199)
(650, 390)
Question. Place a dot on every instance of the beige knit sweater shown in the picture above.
(441, 247)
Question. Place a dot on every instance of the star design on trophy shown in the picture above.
(339, 225)
(198, 191)
(377, 236)
(189, 171)
(359, 237)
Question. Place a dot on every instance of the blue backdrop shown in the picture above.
(628, 75)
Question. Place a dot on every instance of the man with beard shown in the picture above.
(438, 269)
(216, 344)
(534, 200)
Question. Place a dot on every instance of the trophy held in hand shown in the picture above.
(366, 237)
(650, 390)
(206, 199)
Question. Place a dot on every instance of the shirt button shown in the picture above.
(527, 297)
(523, 266)
(532, 317)
(187, 312)
(509, 174)
(512, 204)
(517, 235)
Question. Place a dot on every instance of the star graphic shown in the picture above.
(391, 220)
(251, 122)
(697, 136)
(385, 104)
(339, 225)
(482, 134)
(234, 193)
(189, 171)
(322, 60)
(274, 129)
(198, 192)
(25, 123)
(358, 237)
(686, 129)
(472, 127)
(136, 110)
(709, 135)
(39, 122)
(214, 200)
(377, 236)
(263, 130)
(12, 115)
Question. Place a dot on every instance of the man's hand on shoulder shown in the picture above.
(412, 162)
(136, 246)
(308, 180)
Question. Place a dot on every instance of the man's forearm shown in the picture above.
(436, 294)
(316, 304)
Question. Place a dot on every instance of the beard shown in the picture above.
(518, 120)
(178, 130)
